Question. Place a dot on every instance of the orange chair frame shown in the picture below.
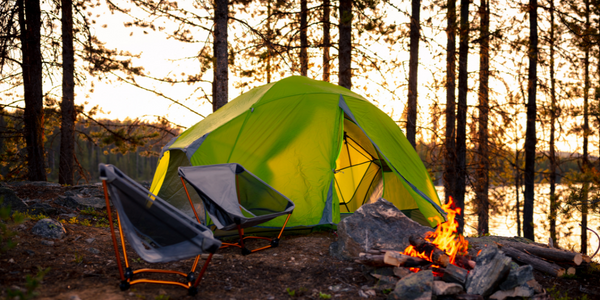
(127, 274)
(240, 244)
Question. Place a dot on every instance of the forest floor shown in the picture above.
(83, 265)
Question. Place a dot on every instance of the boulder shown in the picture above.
(10, 199)
(378, 225)
(418, 286)
(49, 228)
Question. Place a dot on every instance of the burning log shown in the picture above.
(437, 256)
(398, 259)
(456, 274)
(464, 262)
(536, 263)
(552, 254)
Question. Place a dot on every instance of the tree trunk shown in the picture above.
(530, 135)
(483, 205)
(450, 147)
(345, 44)
(221, 77)
(553, 115)
(461, 116)
(268, 41)
(586, 130)
(303, 38)
(67, 109)
(411, 117)
(326, 40)
(30, 23)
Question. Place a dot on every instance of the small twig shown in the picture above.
(596, 236)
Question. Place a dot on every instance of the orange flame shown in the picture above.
(445, 237)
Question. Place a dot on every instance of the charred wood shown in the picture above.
(537, 263)
(552, 254)
(437, 256)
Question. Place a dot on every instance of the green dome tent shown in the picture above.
(323, 146)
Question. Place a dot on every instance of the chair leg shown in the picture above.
(114, 238)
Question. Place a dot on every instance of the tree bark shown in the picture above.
(221, 76)
(67, 105)
(345, 44)
(415, 35)
(461, 116)
(30, 23)
(530, 134)
(326, 40)
(553, 116)
(483, 205)
(303, 38)
(586, 129)
(450, 146)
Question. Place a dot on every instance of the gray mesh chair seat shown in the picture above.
(157, 231)
(234, 198)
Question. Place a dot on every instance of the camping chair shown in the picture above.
(156, 230)
(234, 198)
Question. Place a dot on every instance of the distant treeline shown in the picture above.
(131, 145)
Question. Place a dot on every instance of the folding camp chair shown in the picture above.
(234, 198)
(156, 230)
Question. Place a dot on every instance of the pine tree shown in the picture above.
(415, 36)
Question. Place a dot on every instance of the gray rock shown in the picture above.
(492, 267)
(416, 286)
(78, 202)
(10, 198)
(441, 288)
(41, 208)
(517, 277)
(90, 240)
(94, 250)
(49, 228)
(520, 291)
(402, 272)
(375, 225)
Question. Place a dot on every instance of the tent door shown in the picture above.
(358, 174)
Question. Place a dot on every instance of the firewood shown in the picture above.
(371, 260)
(535, 262)
(455, 274)
(571, 271)
(552, 254)
(438, 256)
(395, 258)
(464, 262)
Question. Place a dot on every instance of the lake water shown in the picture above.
(503, 218)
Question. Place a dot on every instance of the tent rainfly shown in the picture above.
(326, 148)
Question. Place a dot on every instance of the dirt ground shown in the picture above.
(83, 264)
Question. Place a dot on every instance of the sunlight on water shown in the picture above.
(503, 217)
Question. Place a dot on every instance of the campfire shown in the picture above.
(445, 245)
(439, 263)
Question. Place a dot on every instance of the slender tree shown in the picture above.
(482, 185)
(530, 131)
(415, 35)
(303, 38)
(553, 115)
(326, 40)
(67, 105)
(450, 143)
(30, 23)
(585, 165)
(461, 114)
(221, 65)
(345, 44)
